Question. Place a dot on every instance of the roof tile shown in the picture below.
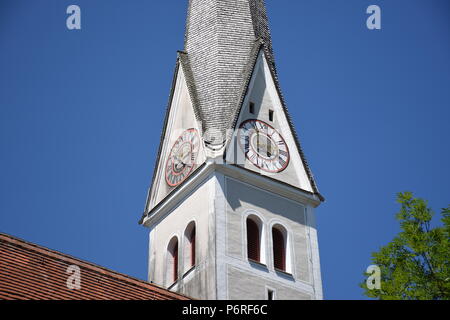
(32, 272)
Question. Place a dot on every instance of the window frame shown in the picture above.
(288, 255)
(172, 264)
(279, 244)
(190, 247)
(258, 219)
(250, 221)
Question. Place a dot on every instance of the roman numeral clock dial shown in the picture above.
(263, 146)
(182, 158)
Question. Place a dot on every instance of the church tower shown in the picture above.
(231, 204)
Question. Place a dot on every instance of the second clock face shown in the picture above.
(182, 158)
(264, 147)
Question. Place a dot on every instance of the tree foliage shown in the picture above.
(415, 264)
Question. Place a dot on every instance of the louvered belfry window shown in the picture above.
(253, 242)
(175, 262)
(174, 265)
(279, 250)
(192, 244)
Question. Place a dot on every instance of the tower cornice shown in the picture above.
(231, 171)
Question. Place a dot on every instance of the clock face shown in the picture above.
(182, 158)
(264, 147)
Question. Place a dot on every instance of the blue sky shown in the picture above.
(81, 113)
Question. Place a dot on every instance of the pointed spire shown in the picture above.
(220, 38)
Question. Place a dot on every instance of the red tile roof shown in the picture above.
(32, 272)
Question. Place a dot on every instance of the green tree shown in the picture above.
(415, 264)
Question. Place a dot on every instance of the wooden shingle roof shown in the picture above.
(220, 36)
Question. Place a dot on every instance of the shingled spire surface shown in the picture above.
(219, 41)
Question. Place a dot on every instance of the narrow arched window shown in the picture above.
(172, 263)
(253, 241)
(189, 252)
(279, 249)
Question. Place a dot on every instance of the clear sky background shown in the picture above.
(81, 114)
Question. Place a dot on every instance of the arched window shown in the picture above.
(189, 250)
(172, 261)
(279, 248)
(253, 240)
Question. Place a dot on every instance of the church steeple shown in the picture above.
(224, 42)
(231, 205)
